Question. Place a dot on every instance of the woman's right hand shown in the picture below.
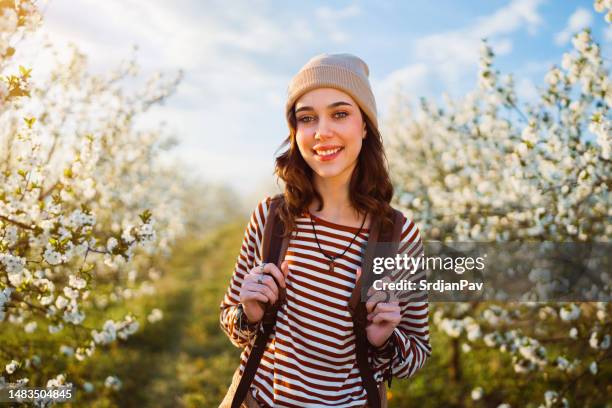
(255, 295)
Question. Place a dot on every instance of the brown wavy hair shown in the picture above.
(370, 188)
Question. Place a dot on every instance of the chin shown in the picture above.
(329, 173)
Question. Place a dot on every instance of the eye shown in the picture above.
(341, 114)
(305, 119)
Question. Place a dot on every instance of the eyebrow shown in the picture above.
(333, 105)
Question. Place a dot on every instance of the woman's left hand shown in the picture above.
(383, 317)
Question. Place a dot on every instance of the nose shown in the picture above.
(323, 130)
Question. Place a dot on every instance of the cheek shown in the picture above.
(305, 141)
(302, 143)
(354, 146)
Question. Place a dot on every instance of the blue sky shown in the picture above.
(239, 56)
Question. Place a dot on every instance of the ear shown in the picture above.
(365, 130)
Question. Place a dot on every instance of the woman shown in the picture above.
(336, 180)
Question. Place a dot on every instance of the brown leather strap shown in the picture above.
(391, 238)
(274, 247)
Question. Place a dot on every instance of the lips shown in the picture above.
(328, 152)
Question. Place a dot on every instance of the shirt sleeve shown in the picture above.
(409, 342)
(248, 257)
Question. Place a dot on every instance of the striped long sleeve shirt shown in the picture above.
(310, 359)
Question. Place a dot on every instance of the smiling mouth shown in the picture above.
(329, 153)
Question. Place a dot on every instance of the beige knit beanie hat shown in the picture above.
(345, 72)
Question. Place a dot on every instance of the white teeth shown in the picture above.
(328, 152)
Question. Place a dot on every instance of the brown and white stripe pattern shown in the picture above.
(310, 357)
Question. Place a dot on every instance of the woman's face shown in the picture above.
(330, 132)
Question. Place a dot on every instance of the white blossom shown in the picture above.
(11, 367)
(61, 302)
(12, 264)
(69, 351)
(111, 243)
(58, 381)
(53, 329)
(76, 282)
(569, 312)
(30, 327)
(113, 383)
(52, 257)
(155, 315)
(107, 335)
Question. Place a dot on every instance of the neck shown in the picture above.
(335, 194)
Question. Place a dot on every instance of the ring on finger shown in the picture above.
(262, 266)
(260, 280)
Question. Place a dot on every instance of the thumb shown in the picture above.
(358, 273)
(285, 268)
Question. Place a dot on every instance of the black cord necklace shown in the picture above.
(333, 258)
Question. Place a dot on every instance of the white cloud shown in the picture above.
(233, 91)
(409, 80)
(461, 46)
(514, 16)
(452, 56)
(239, 56)
(329, 19)
(580, 19)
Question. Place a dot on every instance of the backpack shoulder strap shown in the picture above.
(391, 238)
(274, 247)
(371, 251)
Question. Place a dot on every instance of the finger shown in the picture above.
(269, 282)
(377, 297)
(391, 317)
(273, 270)
(267, 292)
(386, 307)
(256, 270)
(250, 295)
(270, 294)
(285, 269)
(371, 304)
(252, 280)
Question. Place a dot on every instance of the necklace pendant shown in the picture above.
(331, 266)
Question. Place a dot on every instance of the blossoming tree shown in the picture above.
(487, 167)
(85, 208)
